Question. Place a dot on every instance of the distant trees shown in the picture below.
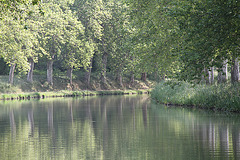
(210, 30)
(191, 36)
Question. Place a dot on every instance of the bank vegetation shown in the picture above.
(223, 97)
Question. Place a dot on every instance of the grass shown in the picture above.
(61, 82)
(21, 89)
(66, 93)
(225, 97)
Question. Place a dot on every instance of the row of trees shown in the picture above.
(180, 38)
(200, 34)
(74, 32)
(51, 30)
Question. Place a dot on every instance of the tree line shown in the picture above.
(194, 37)
(182, 39)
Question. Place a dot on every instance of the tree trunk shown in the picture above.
(222, 74)
(163, 77)
(69, 74)
(132, 79)
(235, 70)
(119, 76)
(88, 74)
(30, 72)
(50, 72)
(203, 76)
(119, 79)
(144, 77)
(211, 75)
(207, 76)
(11, 73)
(104, 67)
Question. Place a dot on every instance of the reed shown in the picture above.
(223, 97)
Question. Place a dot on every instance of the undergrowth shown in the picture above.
(224, 97)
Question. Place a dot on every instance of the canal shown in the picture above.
(114, 127)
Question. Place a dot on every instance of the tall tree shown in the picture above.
(235, 70)
(16, 45)
(51, 35)
(121, 40)
(89, 12)
(156, 37)
(223, 73)
(76, 51)
(33, 26)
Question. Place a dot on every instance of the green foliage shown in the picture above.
(177, 39)
(220, 97)
(65, 93)
(51, 31)
(76, 50)
(16, 45)
(121, 56)
(209, 30)
(16, 8)
(155, 38)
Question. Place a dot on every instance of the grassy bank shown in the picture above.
(65, 93)
(61, 82)
(225, 97)
(21, 89)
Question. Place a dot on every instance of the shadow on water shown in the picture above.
(114, 127)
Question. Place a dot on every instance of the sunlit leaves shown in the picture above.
(17, 42)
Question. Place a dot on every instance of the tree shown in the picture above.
(16, 45)
(89, 12)
(156, 36)
(235, 70)
(105, 43)
(223, 73)
(15, 8)
(209, 29)
(51, 35)
(33, 26)
(121, 53)
(76, 52)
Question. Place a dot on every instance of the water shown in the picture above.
(114, 127)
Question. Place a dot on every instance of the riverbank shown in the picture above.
(223, 97)
(61, 82)
(39, 88)
(66, 93)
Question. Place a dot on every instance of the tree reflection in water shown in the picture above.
(115, 127)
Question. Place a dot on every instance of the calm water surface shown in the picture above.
(114, 127)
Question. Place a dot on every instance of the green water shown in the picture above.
(114, 127)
